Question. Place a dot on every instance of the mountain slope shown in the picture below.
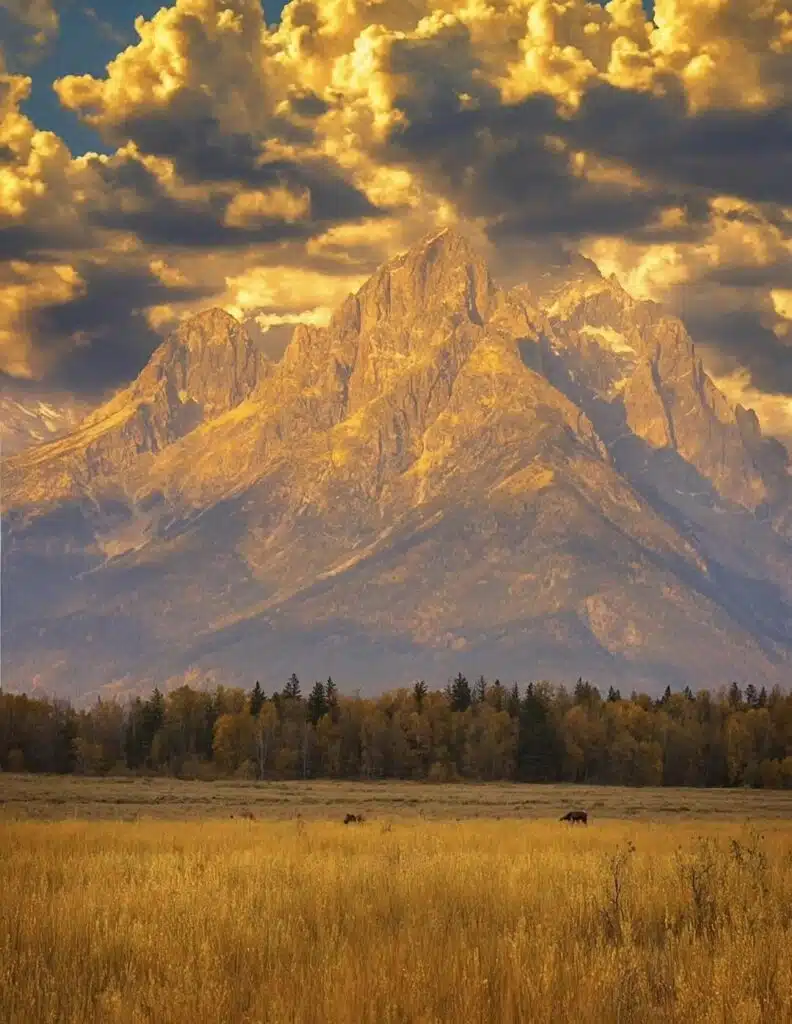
(30, 417)
(535, 482)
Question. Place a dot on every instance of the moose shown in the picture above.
(353, 819)
(576, 817)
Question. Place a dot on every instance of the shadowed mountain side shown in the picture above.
(541, 482)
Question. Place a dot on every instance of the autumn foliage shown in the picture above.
(480, 731)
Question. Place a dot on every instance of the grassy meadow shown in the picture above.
(472, 905)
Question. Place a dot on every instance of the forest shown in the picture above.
(478, 731)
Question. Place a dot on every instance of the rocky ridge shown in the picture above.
(538, 482)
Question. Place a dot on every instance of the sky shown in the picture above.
(212, 152)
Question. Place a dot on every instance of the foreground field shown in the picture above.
(55, 797)
(410, 920)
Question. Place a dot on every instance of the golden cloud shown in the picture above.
(246, 155)
(24, 289)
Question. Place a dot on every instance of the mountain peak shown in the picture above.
(443, 273)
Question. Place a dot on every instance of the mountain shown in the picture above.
(29, 417)
(539, 482)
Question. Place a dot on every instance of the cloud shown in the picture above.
(27, 25)
(192, 87)
(99, 336)
(729, 285)
(310, 151)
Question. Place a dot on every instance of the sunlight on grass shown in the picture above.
(413, 922)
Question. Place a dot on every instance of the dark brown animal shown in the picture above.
(576, 817)
(353, 819)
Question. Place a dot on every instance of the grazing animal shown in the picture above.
(576, 817)
(353, 819)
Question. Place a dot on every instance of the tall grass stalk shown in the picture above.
(415, 922)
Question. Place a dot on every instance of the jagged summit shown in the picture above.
(205, 368)
(208, 361)
(535, 482)
(442, 273)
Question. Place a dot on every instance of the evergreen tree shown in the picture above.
(419, 693)
(480, 690)
(317, 703)
(152, 719)
(513, 702)
(291, 691)
(761, 701)
(257, 699)
(64, 754)
(331, 695)
(751, 696)
(735, 696)
(688, 693)
(460, 696)
(133, 735)
(614, 696)
(537, 745)
(586, 694)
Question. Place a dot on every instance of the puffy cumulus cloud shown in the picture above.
(727, 53)
(191, 86)
(308, 152)
(35, 193)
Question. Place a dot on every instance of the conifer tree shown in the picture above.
(537, 747)
(317, 703)
(419, 693)
(331, 695)
(257, 699)
(460, 696)
(291, 691)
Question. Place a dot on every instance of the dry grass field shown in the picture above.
(679, 912)
(53, 798)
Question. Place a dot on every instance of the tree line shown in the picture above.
(477, 730)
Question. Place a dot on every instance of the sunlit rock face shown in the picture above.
(534, 482)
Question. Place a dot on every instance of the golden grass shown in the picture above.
(405, 921)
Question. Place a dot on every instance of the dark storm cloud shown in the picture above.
(194, 140)
(742, 335)
(135, 200)
(504, 163)
(501, 163)
(305, 103)
(745, 153)
(101, 338)
(773, 275)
